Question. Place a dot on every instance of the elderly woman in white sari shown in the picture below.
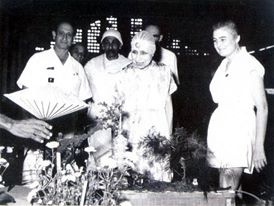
(147, 89)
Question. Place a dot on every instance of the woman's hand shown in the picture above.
(31, 128)
(259, 158)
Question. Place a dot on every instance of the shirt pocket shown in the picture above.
(75, 83)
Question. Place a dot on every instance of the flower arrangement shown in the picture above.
(184, 153)
(110, 115)
(63, 182)
(74, 186)
(104, 184)
(156, 145)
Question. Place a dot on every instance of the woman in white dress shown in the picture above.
(146, 87)
(237, 127)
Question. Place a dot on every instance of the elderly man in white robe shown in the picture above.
(103, 73)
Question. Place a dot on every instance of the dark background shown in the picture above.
(25, 24)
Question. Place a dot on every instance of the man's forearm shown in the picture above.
(5, 122)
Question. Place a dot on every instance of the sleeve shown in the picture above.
(172, 84)
(257, 66)
(175, 69)
(87, 70)
(85, 91)
(29, 74)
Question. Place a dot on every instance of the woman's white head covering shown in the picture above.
(145, 41)
(112, 33)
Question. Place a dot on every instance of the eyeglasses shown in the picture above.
(156, 35)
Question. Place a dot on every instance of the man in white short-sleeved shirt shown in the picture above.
(56, 67)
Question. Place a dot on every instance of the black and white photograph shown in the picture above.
(137, 102)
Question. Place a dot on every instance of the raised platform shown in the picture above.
(225, 198)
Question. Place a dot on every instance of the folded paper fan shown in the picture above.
(46, 103)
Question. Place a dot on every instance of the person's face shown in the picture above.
(111, 46)
(63, 36)
(140, 57)
(226, 42)
(155, 32)
(78, 53)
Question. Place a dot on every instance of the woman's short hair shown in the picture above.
(228, 23)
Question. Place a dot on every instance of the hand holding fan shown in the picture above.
(47, 102)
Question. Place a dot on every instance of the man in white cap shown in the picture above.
(103, 73)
